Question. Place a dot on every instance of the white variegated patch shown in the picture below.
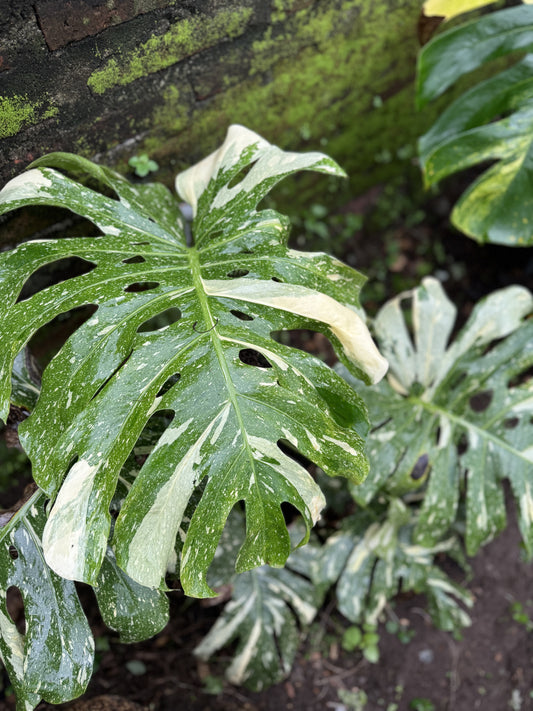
(192, 182)
(25, 186)
(65, 530)
(347, 325)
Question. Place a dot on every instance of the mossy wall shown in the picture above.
(112, 78)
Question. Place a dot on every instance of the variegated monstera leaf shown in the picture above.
(374, 557)
(458, 415)
(52, 658)
(268, 612)
(183, 327)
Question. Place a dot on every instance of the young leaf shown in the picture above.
(496, 206)
(449, 409)
(52, 659)
(370, 564)
(264, 614)
(186, 329)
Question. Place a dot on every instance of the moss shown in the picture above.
(172, 115)
(183, 39)
(18, 111)
(313, 86)
(280, 8)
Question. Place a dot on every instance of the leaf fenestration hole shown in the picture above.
(293, 453)
(481, 401)
(462, 444)
(134, 260)
(13, 553)
(52, 336)
(160, 320)
(240, 175)
(15, 608)
(139, 244)
(54, 273)
(152, 431)
(242, 316)
(170, 382)
(520, 378)
(307, 340)
(420, 468)
(113, 374)
(290, 512)
(142, 286)
(236, 273)
(251, 357)
(279, 281)
(510, 423)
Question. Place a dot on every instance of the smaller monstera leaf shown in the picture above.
(52, 659)
(134, 611)
(457, 416)
(496, 208)
(374, 557)
(184, 329)
(267, 609)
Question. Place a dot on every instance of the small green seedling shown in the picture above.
(143, 165)
(519, 614)
(366, 640)
(404, 634)
(355, 699)
(422, 704)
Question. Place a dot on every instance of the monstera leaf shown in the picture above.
(266, 611)
(373, 557)
(183, 326)
(53, 658)
(458, 416)
(496, 206)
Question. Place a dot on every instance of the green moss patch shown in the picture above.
(182, 40)
(18, 111)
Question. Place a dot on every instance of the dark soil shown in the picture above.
(490, 668)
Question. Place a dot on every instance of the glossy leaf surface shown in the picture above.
(184, 329)
(456, 415)
(491, 122)
(52, 659)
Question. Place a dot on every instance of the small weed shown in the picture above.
(143, 165)
(421, 704)
(366, 640)
(213, 685)
(519, 614)
(136, 667)
(401, 631)
(356, 699)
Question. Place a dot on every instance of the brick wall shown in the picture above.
(111, 78)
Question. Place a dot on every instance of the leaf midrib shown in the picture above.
(211, 324)
(466, 424)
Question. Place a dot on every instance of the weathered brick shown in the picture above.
(65, 22)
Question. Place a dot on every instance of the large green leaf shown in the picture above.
(461, 412)
(53, 658)
(497, 206)
(184, 328)
(374, 557)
